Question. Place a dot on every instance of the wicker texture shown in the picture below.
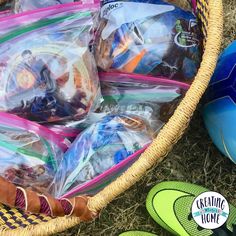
(211, 15)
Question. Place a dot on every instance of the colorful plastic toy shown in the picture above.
(219, 111)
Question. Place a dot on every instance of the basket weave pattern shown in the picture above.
(16, 222)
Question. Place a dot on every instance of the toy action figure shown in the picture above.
(48, 103)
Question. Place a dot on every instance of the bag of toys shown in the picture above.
(97, 151)
(152, 98)
(48, 72)
(30, 153)
(156, 38)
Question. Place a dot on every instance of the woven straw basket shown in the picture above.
(17, 222)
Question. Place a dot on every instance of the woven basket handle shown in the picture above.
(32, 202)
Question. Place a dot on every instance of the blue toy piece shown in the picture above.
(219, 110)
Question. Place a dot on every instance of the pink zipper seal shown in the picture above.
(5, 13)
(97, 179)
(24, 17)
(158, 80)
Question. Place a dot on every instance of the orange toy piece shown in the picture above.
(133, 63)
(25, 79)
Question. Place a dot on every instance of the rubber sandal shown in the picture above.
(136, 233)
(169, 204)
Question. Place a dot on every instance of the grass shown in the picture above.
(194, 159)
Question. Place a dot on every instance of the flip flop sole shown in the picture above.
(136, 233)
(169, 204)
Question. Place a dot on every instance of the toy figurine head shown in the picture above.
(27, 57)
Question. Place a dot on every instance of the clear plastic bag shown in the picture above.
(155, 39)
(96, 150)
(15, 21)
(30, 154)
(48, 72)
(152, 98)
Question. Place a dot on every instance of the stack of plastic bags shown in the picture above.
(86, 86)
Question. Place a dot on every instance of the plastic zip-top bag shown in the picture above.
(152, 98)
(47, 68)
(97, 151)
(30, 153)
(15, 21)
(155, 39)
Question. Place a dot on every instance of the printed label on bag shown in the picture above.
(185, 36)
(210, 210)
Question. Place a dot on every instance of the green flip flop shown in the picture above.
(169, 204)
(136, 233)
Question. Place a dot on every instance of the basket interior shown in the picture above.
(12, 218)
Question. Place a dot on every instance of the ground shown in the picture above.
(194, 159)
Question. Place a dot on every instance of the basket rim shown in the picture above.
(164, 141)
